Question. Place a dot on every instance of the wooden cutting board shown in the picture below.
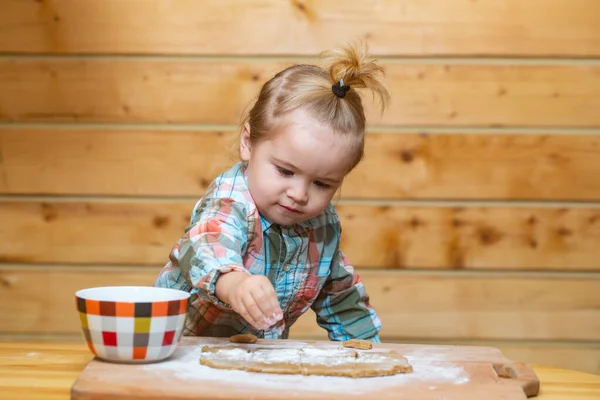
(448, 372)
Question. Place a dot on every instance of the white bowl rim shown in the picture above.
(132, 294)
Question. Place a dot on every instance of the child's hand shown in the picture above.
(251, 296)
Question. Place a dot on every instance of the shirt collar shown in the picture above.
(266, 225)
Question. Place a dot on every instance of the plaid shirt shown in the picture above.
(302, 261)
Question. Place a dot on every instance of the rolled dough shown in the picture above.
(334, 361)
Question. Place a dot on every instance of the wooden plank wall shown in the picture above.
(475, 218)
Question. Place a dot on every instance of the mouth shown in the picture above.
(289, 209)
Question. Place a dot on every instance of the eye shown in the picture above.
(322, 185)
(284, 172)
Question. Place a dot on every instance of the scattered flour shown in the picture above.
(427, 355)
(185, 365)
(309, 355)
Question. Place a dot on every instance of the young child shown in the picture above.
(263, 244)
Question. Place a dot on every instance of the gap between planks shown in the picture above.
(344, 201)
(464, 60)
(451, 273)
(390, 129)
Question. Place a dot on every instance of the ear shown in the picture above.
(245, 147)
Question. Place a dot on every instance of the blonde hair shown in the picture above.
(310, 87)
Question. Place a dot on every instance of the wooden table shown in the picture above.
(46, 371)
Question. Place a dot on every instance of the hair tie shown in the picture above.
(340, 89)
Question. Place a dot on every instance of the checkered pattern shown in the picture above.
(132, 331)
(302, 261)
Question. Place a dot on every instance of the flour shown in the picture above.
(229, 355)
(441, 354)
(329, 357)
(307, 355)
(185, 365)
(279, 356)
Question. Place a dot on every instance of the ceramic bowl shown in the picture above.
(132, 324)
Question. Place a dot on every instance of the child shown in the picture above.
(262, 246)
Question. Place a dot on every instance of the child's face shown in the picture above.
(293, 176)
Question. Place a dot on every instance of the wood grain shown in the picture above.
(36, 371)
(482, 306)
(471, 237)
(216, 92)
(120, 382)
(582, 356)
(52, 369)
(518, 278)
(410, 305)
(125, 162)
(423, 237)
(392, 27)
(113, 162)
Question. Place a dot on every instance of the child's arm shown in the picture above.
(343, 307)
(207, 261)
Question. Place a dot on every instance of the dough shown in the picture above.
(243, 338)
(329, 361)
(358, 344)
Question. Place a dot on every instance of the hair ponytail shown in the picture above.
(313, 89)
(352, 66)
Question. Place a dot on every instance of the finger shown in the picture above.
(246, 315)
(272, 308)
(263, 299)
(253, 308)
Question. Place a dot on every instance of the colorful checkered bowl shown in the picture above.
(132, 324)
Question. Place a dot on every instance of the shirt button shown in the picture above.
(286, 268)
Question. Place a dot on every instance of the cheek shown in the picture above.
(268, 176)
(261, 170)
(321, 198)
(267, 170)
(267, 179)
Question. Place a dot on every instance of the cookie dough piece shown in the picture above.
(305, 361)
(224, 364)
(331, 362)
(358, 344)
(243, 338)
(381, 364)
(271, 361)
(345, 369)
(222, 357)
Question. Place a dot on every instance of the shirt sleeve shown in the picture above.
(343, 307)
(212, 245)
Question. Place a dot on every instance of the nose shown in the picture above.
(298, 192)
